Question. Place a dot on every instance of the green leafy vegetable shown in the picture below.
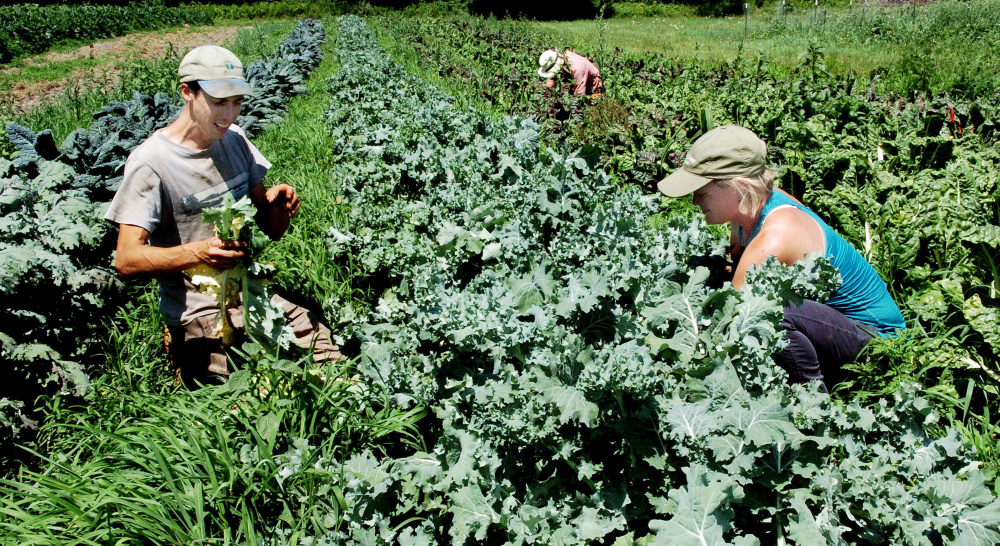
(243, 285)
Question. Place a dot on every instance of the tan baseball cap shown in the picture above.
(720, 154)
(217, 71)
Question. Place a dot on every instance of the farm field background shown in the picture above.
(509, 287)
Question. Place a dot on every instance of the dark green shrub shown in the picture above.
(719, 8)
(272, 9)
(542, 11)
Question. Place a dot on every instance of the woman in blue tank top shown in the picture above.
(727, 173)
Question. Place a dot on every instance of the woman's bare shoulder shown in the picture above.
(792, 234)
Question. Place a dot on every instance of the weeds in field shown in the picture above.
(260, 40)
(234, 462)
(949, 40)
(308, 271)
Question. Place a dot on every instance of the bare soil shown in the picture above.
(147, 45)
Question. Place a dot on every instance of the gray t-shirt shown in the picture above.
(164, 189)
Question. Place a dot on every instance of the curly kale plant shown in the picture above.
(589, 384)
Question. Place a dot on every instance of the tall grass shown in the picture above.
(299, 150)
(225, 464)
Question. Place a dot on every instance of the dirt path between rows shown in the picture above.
(24, 97)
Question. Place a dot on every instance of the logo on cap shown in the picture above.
(230, 65)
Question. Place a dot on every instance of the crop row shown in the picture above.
(26, 29)
(912, 183)
(55, 248)
(588, 379)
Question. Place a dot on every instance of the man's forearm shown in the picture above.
(152, 262)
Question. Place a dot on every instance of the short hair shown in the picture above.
(194, 86)
(755, 193)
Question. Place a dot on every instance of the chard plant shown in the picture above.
(246, 284)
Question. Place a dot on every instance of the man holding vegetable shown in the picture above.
(192, 164)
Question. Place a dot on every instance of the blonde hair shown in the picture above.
(754, 193)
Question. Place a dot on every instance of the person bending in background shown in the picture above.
(726, 171)
(586, 76)
(187, 166)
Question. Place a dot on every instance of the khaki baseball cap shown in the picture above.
(720, 154)
(217, 71)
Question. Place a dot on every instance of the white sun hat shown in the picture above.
(550, 63)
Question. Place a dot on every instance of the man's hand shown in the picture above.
(220, 254)
(284, 195)
(280, 204)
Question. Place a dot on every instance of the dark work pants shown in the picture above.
(199, 357)
(820, 341)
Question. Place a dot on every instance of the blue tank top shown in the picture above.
(863, 295)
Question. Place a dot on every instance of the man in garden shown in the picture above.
(189, 165)
(586, 76)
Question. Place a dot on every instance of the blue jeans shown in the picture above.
(820, 341)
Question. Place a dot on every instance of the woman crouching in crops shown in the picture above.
(726, 171)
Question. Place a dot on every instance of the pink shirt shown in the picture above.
(585, 74)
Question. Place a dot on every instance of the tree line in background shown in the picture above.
(587, 9)
(566, 10)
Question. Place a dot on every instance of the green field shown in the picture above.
(944, 46)
(541, 348)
